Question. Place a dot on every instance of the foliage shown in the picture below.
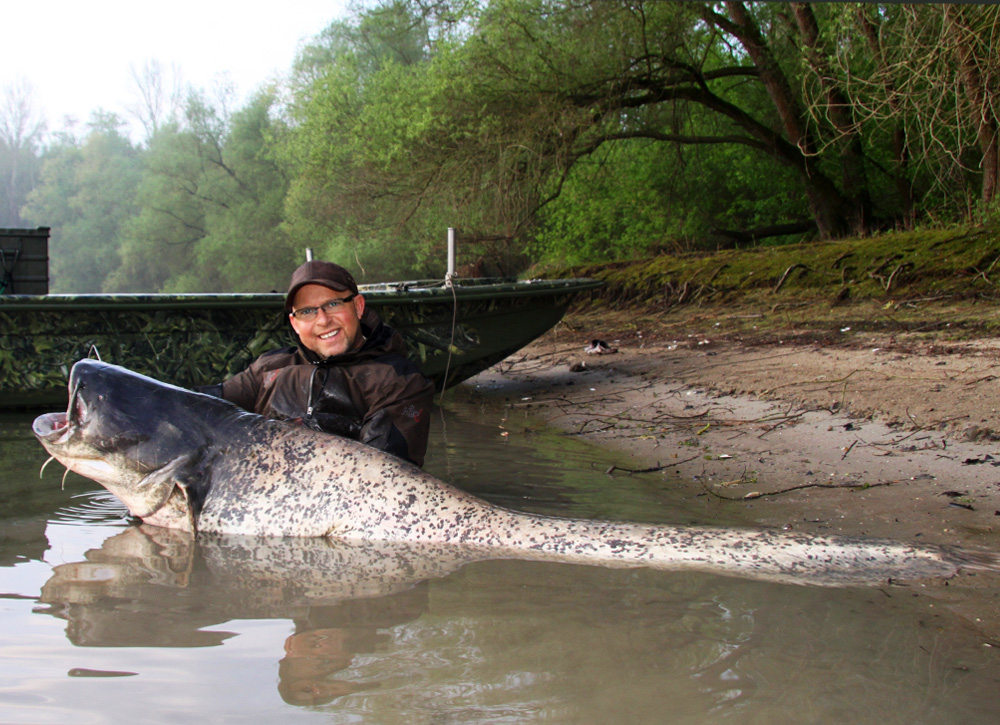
(212, 202)
(493, 124)
(623, 202)
(923, 76)
(86, 196)
(543, 130)
(351, 149)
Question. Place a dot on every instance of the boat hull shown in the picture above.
(451, 332)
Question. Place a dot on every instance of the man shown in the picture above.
(348, 375)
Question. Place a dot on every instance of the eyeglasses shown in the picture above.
(307, 314)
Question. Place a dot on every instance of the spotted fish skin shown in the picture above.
(186, 460)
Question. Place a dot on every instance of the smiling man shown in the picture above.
(348, 375)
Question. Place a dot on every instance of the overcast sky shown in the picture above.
(76, 54)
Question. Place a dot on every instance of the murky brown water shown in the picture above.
(102, 622)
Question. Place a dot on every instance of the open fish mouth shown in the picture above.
(50, 425)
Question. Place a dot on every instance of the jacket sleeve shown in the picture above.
(246, 387)
(398, 417)
(242, 388)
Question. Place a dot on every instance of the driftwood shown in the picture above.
(780, 491)
(788, 271)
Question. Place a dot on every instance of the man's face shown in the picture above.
(328, 333)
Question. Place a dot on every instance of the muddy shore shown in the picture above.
(864, 434)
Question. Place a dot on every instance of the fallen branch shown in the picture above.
(653, 469)
(761, 494)
(785, 276)
(930, 426)
(822, 384)
(786, 419)
(987, 271)
(986, 379)
(895, 273)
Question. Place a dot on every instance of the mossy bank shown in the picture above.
(940, 283)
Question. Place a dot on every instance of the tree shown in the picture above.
(158, 95)
(245, 241)
(86, 194)
(924, 77)
(624, 202)
(21, 130)
(972, 32)
(869, 114)
(211, 205)
(488, 127)
(348, 101)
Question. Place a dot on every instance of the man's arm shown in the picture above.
(398, 420)
(241, 389)
(244, 388)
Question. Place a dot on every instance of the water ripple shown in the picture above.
(92, 508)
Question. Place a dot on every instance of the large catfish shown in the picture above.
(184, 460)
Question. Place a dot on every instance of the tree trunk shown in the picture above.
(852, 157)
(978, 95)
(900, 143)
(827, 204)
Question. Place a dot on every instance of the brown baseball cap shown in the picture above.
(327, 274)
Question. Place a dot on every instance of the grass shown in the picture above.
(942, 283)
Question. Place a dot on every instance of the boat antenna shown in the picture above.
(450, 274)
(449, 284)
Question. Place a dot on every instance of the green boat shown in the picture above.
(453, 331)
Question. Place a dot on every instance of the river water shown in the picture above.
(102, 621)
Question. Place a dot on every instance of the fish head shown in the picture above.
(136, 436)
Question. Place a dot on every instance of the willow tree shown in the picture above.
(508, 99)
(211, 204)
(927, 75)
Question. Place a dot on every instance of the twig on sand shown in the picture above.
(761, 494)
(824, 384)
(984, 379)
(786, 418)
(653, 469)
(930, 426)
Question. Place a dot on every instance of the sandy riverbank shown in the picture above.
(869, 435)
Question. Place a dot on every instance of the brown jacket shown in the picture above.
(373, 394)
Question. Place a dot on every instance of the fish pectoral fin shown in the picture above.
(176, 513)
(154, 489)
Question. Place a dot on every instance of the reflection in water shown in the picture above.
(306, 674)
(381, 629)
(154, 587)
(236, 629)
(136, 591)
(92, 508)
(327, 638)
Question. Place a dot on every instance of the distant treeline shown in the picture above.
(545, 131)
